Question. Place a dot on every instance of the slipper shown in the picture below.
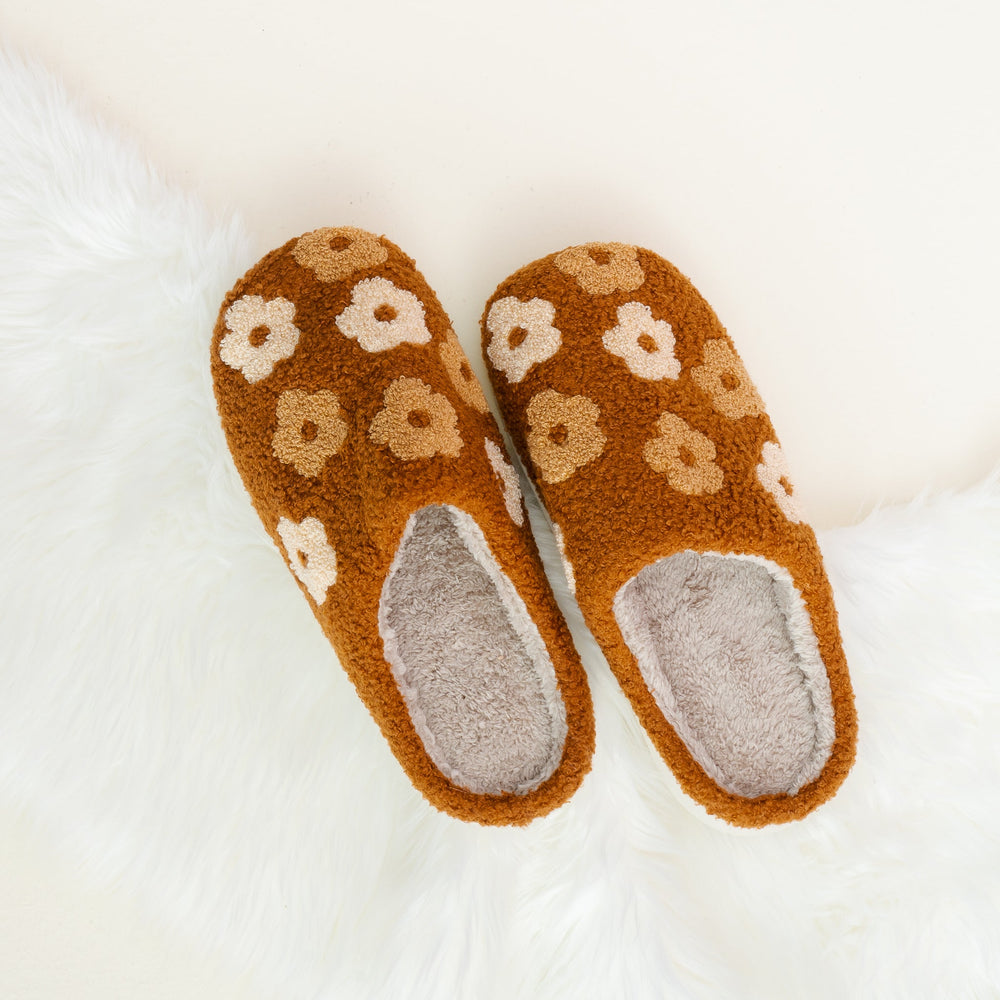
(367, 447)
(669, 495)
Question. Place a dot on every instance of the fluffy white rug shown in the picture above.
(169, 706)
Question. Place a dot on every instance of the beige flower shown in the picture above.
(567, 565)
(685, 455)
(337, 253)
(456, 364)
(773, 476)
(416, 422)
(563, 434)
(602, 268)
(261, 333)
(382, 316)
(507, 475)
(310, 430)
(310, 555)
(724, 378)
(521, 335)
(645, 344)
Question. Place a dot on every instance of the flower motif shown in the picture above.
(724, 378)
(310, 556)
(333, 254)
(310, 430)
(508, 478)
(382, 316)
(456, 364)
(567, 565)
(522, 335)
(686, 456)
(773, 476)
(602, 268)
(416, 422)
(645, 344)
(261, 333)
(563, 434)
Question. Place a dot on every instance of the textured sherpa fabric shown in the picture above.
(366, 445)
(656, 461)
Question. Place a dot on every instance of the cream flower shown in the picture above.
(521, 335)
(310, 430)
(567, 565)
(645, 344)
(602, 268)
(310, 556)
(686, 456)
(416, 422)
(382, 316)
(773, 476)
(507, 475)
(563, 434)
(336, 253)
(456, 364)
(261, 333)
(724, 378)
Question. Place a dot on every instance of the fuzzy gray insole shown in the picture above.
(469, 661)
(715, 646)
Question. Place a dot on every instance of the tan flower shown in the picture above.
(507, 475)
(337, 253)
(416, 422)
(382, 316)
(310, 430)
(645, 344)
(602, 268)
(310, 556)
(261, 333)
(456, 364)
(685, 455)
(563, 434)
(521, 335)
(772, 474)
(724, 378)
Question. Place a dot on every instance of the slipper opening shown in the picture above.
(726, 647)
(473, 670)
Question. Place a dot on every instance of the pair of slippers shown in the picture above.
(368, 448)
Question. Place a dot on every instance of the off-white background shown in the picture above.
(825, 173)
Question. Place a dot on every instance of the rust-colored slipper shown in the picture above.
(368, 450)
(669, 496)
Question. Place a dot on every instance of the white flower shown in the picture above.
(382, 316)
(261, 333)
(567, 565)
(522, 335)
(310, 555)
(773, 475)
(645, 344)
(508, 478)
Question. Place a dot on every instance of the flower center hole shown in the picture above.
(385, 313)
(465, 371)
(516, 337)
(647, 343)
(729, 381)
(418, 418)
(258, 335)
(558, 434)
(785, 485)
(686, 456)
(600, 257)
(309, 430)
(338, 243)
(303, 559)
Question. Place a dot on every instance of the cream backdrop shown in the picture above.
(826, 174)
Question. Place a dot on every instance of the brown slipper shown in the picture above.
(669, 495)
(369, 452)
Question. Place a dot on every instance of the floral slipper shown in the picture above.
(671, 505)
(368, 450)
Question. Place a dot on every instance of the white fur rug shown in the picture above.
(169, 707)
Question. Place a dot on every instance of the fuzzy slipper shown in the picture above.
(368, 450)
(671, 504)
